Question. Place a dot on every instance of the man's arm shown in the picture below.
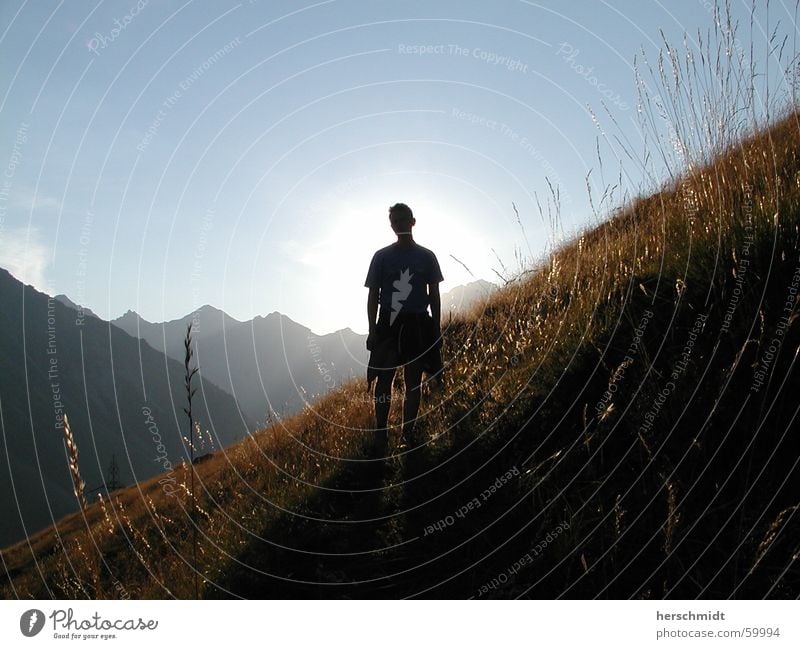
(372, 308)
(436, 307)
(372, 313)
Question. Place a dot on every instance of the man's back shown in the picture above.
(402, 272)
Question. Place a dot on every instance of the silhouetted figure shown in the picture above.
(403, 280)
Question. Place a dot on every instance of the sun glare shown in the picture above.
(464, 231)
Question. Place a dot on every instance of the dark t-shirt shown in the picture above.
(402, 273)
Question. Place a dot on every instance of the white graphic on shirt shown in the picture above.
(402, 289)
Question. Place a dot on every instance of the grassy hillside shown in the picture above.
(621, 422)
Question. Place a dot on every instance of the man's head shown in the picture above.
(401, 218)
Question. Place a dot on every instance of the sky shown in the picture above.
(160, 155)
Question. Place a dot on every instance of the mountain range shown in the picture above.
(123, 398)
(272, 364)
(269, 364)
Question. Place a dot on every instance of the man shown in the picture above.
(403, 280)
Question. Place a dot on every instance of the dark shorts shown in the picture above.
(411, 337)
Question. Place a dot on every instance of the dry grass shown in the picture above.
(144, 531)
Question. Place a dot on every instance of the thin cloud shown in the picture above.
(23, 254)
(25, 199)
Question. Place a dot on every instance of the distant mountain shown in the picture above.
(267, 362)
(462, 298)
(208, 321)
(53, 361)
(272, 362)
(67, 302)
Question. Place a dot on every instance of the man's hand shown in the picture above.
(436, 312)
(372, 315)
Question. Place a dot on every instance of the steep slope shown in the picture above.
(622, 423)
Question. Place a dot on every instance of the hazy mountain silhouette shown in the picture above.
(272, 361)
(104, 378)
(265, 362)
(462, 298)
(72, 305)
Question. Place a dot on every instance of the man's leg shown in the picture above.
(383, 400)
(413, 379)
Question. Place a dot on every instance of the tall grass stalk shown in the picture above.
(79, 488)
(190, 372)
(78, 484)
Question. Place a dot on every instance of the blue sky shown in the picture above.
(161, 155)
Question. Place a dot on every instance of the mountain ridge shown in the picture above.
(307, 363)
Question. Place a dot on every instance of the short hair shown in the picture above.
(400, 212)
